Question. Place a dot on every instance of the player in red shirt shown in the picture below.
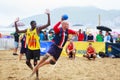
(70, 50)
(90, 52)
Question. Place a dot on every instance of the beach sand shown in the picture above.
(64, 69)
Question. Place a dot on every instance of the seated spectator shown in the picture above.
(70, 50)
(80, 35)
(118, 39)
(90, 37)
(100, 37)
(90, 53)
(107, 37)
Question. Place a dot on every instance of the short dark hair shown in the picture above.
(32, 22)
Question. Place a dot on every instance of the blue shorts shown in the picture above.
(16, 44)
(55, 51)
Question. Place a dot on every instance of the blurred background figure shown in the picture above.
(80, 35)
(45, 36)
(107, 37)
(118, 39)
(100, 37)
(0, 35)
(22, 40)
(90, 37)
(85, 36)
(50, 36)
(111, 38)
(41, 35)
(16, 43)
(70, 50)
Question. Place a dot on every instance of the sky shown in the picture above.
(11, 9)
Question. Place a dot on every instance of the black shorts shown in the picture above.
(33, 54)
(22, 50)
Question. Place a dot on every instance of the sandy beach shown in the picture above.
(64, 69)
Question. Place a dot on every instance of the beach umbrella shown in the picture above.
(19, 24)
(103, 28)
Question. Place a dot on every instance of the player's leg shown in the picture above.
(88, 56)
(29, 64)
(70, 55)
(28, 58)
(94, 56)
(67, 51)
(74, 53)
(44, 61)
(35, 63)
(22, 51)
(20, 56)
(15, 48)
(36, 57)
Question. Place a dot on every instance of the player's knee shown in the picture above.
(52, 62)
(45, 57)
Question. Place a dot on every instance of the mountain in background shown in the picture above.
(87, 16)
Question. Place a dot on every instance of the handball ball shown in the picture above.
(65, 17)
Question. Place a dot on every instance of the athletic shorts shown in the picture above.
(33, 54)
(22, 50)
(16, 44)
(55, 51)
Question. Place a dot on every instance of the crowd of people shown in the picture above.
(83, 36)
(30, 42)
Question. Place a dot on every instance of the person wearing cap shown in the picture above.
(90, 37)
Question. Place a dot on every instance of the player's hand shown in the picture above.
(62, 19)
(47, 11)
(17, 19)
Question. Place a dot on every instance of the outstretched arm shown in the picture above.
(72, 32)
(48, 23)
(16, 27)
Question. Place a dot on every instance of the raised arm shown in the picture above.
(16, 27)
(46, 25)
(56, 27)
